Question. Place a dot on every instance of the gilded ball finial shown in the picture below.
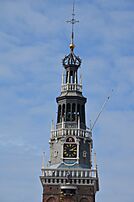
(72, 46)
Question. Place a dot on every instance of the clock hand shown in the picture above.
(73, 149)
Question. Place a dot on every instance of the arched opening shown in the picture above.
(78, 111)
(59, 114)
(83, 113)
(67, 77)
(63, 110)
(84, 200)
(51, 199)
(73, 111)
(71, 77)
(68, 117)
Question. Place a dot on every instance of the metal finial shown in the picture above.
(72, 21)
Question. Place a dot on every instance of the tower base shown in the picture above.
(53, 193)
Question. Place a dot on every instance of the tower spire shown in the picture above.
(69, 174)
(72, 21)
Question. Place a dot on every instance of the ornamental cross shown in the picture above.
(72, 21)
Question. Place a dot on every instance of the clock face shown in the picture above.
(70, 150)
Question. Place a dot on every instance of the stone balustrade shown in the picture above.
(70, 176)
(71, 131)
(71, 87)
(86, 173)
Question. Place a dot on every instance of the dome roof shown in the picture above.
(71, 60)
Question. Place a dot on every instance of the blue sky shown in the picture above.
(33, 40)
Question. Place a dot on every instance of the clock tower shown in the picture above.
(70, 175)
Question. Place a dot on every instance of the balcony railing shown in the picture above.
(76, 173)
(70, 176)
(71, 131)
(71, 87)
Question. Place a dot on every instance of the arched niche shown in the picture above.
(51, 199)
(84, 200)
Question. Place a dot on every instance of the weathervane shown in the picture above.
(72, 21)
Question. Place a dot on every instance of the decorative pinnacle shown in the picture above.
(72, 21)
(43, 159)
